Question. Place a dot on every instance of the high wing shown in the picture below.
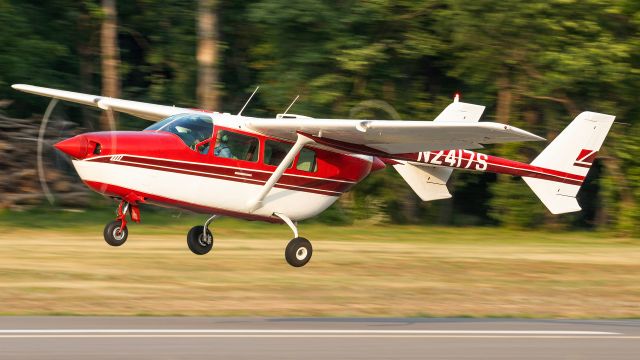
(139, 109)
(456, 128)
(394, 136)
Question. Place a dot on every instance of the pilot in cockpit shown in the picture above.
(222, 147)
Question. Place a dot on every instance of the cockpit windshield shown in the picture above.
(191, 128)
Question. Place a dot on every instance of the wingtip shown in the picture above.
(535, 137)
(521, 135)
(526, 134)
(19, 87)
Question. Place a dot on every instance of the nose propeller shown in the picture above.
(77, 146)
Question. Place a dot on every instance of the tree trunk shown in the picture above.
(207, 55)
(110, 59)
(503, 111)
(86, 52)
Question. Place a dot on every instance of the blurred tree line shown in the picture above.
(535, 64)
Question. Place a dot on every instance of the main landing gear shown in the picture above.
(198, 243)
(297, 253)
(299, 250)
(115, 232)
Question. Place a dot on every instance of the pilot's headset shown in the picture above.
(224, 139)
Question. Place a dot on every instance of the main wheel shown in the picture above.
(298, 252)
(114, 235)
(198, 244)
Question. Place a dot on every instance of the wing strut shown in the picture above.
(256, 203)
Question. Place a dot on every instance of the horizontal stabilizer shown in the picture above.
(429, 183)
(554, 195)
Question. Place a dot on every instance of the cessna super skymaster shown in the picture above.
(292, 167)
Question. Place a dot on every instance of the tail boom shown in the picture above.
(471, 160)
(555, 176)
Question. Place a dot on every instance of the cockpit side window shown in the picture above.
(275, 151)
(307, 160)
(191, 128)
(232, 145)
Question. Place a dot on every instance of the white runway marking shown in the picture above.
(296, 332)
(320, 336)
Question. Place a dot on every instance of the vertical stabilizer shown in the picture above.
(572, 152)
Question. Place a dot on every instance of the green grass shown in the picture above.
(171, 222)
(56, 262)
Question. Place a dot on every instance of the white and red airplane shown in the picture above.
(292, 167)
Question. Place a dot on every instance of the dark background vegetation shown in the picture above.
(534, 64)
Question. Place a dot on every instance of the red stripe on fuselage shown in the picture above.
(310, 184)
(117, 191)
(516, 168)
(470, 160)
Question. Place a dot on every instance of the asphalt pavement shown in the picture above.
(315, 338)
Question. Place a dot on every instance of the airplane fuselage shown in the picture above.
(161, 169)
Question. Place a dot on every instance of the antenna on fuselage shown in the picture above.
(248, 100)
(293, 102)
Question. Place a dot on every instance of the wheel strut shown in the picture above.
(288, 221)
(200, 239)
(299, 250)
(208, 222)
(123, 208)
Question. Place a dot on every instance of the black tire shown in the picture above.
(197, 244)
(298, 252)
(115, 236)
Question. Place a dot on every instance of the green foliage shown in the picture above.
(514, 205)
(27, 53)
(161, 50)
(537, 63)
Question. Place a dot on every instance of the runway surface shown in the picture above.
(293, 338)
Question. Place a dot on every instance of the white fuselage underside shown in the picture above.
(229, 195)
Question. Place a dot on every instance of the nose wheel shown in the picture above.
(115, 234)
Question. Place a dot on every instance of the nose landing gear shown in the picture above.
(116, 232)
